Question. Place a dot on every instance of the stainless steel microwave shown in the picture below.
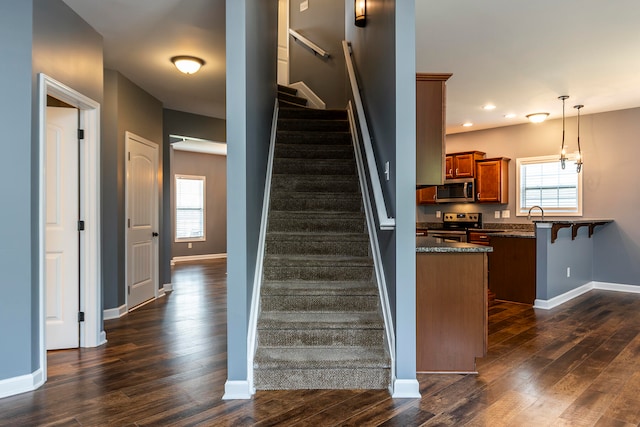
(456, 191)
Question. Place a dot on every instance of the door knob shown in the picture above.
(155, 234)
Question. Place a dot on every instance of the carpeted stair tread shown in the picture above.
(312, 184)
(323, 379)
(313, 125)
(339, 202)
(317, 260)
(310, 287)
(314, 166)
(317, 137)
(319, 237)
(310, 320)
(313, 151)
(312, 113)
(321, 358)
(292, 99)
(287, 89)
(318, 243)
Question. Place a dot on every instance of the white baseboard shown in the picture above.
(21, 384)
(406, 389)
(304, 91)
(617, 287)
(236, 390)
(567, 296)
(115, 313)
(177, 259)
(167, 287)
(103, 338)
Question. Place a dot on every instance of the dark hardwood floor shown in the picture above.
(165, 364)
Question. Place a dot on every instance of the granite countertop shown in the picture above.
(526, 231)
(434, 245)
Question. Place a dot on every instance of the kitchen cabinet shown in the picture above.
(462, 165)
(430, 127)
(478, 238)
(426, 196)
(512, 266)
(451, 311)
(492, 180)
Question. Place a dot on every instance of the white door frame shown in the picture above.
(91, 333)
(128, 137)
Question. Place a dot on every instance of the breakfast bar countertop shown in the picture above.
(434, 245)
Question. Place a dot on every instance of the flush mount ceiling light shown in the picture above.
(537, 117)
(489, 107)
(467, 124)
(361, 13)
(187, 64)
(509, 115)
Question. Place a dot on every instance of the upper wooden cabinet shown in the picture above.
(426, 196)
(430, 128)
(492, 180)
(462, 165)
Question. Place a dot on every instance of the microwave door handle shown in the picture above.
(464, 190)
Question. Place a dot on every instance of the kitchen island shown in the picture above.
(451, 305)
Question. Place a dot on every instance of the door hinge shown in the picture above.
(128, 222)
(80, 316)
(80, 133)
(80, 225)
(129, 156)
(128, 290)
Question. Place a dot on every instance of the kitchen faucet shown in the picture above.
(541, 211)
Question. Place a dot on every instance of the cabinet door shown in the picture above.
(464, 166)
(492, 183)
(448, 167)
(426, 196)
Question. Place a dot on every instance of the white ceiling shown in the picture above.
(521, 55)
(140, 37)
(516, 54)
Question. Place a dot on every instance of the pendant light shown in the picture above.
(579, 155)
(563, 153)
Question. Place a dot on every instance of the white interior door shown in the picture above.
(142, 220)
(62, 276)
(283, 42)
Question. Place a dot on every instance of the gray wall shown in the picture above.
(18, 285)
(610, 151)
(554, 258)
(127, 108)
(323, 24)
(214, 169)
(183, 124)
(36, 36)
(384, 53)
(251, 77)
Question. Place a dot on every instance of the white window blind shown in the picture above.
(543, 182)
(190, 207)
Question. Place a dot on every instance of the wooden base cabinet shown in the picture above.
(426, 196)
(451, 311)
(512, 269)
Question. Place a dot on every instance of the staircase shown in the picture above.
(320, 324)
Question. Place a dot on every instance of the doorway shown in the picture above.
(142, 187)
(90, 333)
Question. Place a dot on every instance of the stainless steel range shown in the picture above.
(455, 226)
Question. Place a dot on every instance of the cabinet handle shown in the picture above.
(450, 171)
(478, 198)
(456, 171)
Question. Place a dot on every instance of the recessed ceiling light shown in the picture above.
(509, 116)
(467, 124)
(537, 117)
(489, 107)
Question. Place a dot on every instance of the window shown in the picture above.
(541, 181)
(190, 208)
